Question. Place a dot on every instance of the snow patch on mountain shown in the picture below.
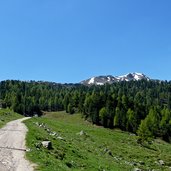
(91, 81)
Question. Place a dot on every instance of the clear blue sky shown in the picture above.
(71, 40)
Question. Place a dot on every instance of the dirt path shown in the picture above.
(12, 147)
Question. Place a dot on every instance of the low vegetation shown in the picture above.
(7, 115)
(78, 145)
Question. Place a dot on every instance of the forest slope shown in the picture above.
(142, 107)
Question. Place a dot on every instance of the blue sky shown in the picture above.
(72, 40)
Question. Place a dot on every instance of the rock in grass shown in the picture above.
(36, 123)
(81, 133)
(53, 133)
(137, 169)
(141, 163)
(60, 138)
(70, 164)
(38, 145)
(161, 162)
(106, 150)
(47, 144)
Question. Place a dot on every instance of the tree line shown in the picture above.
(142, 107)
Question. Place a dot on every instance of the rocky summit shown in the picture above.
(101, 80)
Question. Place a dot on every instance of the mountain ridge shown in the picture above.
(109, 79)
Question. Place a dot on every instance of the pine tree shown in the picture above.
(103, 116)
(143, 132)
(131, 121)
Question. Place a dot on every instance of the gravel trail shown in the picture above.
(12, 147)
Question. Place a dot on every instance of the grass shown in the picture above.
(79, 145)
(6, 115)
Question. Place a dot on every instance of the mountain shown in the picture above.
(101, 80)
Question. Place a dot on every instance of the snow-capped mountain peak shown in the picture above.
(101, 80)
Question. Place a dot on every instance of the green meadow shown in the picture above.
(79, 145)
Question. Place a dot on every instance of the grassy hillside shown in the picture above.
(78, 145)
(7, 115)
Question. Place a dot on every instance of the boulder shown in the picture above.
(47, 144)
(161, 162)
